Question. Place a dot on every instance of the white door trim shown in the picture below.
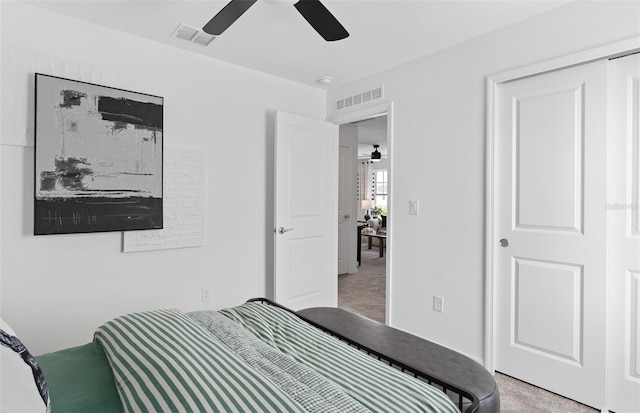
(607, 51)
(365, 113)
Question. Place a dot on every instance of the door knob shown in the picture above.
(504, 242)
(282, 230)
(347, 216)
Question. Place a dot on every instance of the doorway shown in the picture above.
(362, 288)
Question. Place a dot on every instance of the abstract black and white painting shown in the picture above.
(98, 158)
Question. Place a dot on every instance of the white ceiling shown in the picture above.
(372, 132)
(275, 38)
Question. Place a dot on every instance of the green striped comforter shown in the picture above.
(251, 358)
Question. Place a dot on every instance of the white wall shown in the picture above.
(381, 164)
(55, 290)
(439, 159)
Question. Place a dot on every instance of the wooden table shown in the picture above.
(382, 240)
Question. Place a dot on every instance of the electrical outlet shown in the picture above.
(206, 294)
(438, 303)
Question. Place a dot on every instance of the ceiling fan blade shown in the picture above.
(321, 20)
(225, 17)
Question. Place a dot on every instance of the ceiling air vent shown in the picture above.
(350, 102)
(203, 39)
(192, 34)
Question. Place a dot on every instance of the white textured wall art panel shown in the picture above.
(18, 69)
(183, 206)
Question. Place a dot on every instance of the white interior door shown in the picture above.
(623, 240)
(306, 204)
(346, 213)
(550, 215)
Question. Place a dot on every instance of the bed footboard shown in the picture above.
(465, 381)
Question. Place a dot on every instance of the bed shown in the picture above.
(256, 357)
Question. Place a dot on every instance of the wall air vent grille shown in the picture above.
(353, 101)
(192, 34)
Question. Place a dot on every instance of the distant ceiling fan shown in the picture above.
(313, 11)
(374, 156)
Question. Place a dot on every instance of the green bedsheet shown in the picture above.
(80, 380)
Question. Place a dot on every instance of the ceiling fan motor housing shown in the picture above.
(375, 155)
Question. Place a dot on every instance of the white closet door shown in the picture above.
(623, 241)
(551, 195)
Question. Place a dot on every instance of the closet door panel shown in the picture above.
(623, 235)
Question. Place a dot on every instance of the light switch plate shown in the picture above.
(438, 303)
(414, 207)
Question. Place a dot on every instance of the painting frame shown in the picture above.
(98, 158)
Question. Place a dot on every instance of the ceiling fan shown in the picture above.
(313, 11)
(374, 156)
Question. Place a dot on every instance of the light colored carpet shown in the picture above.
(364, 293)
(519, 397)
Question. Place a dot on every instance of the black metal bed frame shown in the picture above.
(466, 401)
